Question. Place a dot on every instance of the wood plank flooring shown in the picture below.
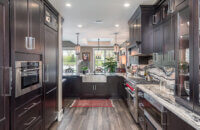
(102, 118)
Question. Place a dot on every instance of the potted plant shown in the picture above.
(110, 65)
(84, 69)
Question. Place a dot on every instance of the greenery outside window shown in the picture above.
(100, 56)
(69, 61)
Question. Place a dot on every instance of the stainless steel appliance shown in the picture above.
(28, 76)
(132, 99)
(133, 94)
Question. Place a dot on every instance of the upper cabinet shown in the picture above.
(27, 26)
(141, 29)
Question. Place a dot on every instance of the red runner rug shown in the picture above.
(92, 103)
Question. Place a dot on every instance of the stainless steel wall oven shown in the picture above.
(28, 76)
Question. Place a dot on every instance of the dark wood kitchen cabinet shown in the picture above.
(50, 107)
(50, 71)
(72, 86)
(28, 21)
(113, 82)
(169, 42)
(141, 29)
(94, 90)
(158, 39)
(4, 65)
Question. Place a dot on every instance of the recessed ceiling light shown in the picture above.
(80, 26)
(126, 4)
(117, 25)
(68, 5)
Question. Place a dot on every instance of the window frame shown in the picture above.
(104, 49)
(70, 49)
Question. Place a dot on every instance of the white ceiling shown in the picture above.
(86, 12)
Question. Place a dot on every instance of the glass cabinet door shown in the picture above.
(183, 87)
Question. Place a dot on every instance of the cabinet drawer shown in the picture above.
(28, 115)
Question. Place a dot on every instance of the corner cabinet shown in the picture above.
(141, 29)
(28, 17)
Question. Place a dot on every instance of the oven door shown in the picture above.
(130, 100)
(27, 80)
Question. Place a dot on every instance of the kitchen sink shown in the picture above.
(94, 78)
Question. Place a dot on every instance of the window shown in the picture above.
(69, 61)
(100, 57)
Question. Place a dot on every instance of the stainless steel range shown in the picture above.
(133, 93)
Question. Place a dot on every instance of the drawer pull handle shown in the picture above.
(30, 122)
(28, 108)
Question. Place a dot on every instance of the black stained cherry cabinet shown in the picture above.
(72, 86)
(158, 39)
(28, 21)
(50, 74)
(50, 107)
(94, 90)
(141, 29)
(4, 64)
(169, 42)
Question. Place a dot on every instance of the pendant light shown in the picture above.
(77, 47)
(98, 56)
(116, 46)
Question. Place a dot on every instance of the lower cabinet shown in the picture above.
(72, 86)
(94, 90)
(50, 107)
(29, 115)
(37, 126)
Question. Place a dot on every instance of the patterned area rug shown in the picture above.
(92, 103)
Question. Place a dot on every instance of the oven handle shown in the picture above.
(47, 73)
(26, 70)
(129, 91)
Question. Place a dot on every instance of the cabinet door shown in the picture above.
(158, 39)
(87, 90)
(101, 90)
(113, 82)
(4, 63)
(50, 107)
(21, 28)
(169, 42)
(50, 58)
(35, 12)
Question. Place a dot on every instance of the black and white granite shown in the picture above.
(168, 101)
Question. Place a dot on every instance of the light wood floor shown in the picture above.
(102, 118)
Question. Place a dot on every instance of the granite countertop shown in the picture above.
(168, 101)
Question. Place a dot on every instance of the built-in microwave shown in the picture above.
(28, 76)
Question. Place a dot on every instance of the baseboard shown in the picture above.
(60, 115)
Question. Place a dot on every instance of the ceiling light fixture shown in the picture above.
(117, 25)
(116, 46)
(68, 5)
(77, 47)
(126, 4)
(80, 26)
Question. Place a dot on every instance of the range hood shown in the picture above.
(135, 50)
